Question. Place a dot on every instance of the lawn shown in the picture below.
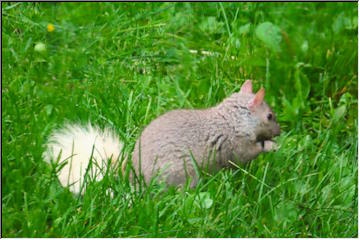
(123, 64)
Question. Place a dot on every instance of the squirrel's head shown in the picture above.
(267, 126)
(260, 117)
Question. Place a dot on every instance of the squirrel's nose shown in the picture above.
(276, 130)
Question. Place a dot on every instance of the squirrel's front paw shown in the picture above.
(269, 146)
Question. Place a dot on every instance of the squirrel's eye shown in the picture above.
(269, 116)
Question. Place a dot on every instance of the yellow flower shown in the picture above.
(50, 27)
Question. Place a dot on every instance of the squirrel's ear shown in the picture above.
(257, 100)
(246, 87)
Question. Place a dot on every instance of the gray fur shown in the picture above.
(230, 131)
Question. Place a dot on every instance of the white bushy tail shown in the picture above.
(76, 144)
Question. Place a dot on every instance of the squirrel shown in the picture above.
(174, 144)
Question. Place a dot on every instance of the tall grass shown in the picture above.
(123, 64)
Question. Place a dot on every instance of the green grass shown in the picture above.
(123, 64)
